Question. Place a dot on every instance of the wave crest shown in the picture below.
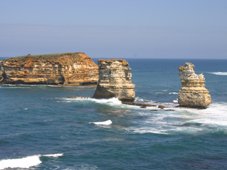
(103, 123)
(25, 162)
(219, 73)
(111, 101)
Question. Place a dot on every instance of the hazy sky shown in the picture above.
(115, 28)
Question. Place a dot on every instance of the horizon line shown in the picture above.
(143, 58)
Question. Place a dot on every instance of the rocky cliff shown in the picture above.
(115, 80)
(65, 69)
(193, 92)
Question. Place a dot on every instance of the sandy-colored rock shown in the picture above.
(1, 72)
(115, 80)
(193, 92)
(65, 69)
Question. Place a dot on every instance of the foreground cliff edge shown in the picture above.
(53, 69)
(193, 92)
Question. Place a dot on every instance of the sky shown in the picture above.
(115, 28)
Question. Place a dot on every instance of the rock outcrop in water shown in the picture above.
(193, 92)
(115, 80)
(56, 69)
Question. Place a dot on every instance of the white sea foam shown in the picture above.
(111, 101)
(169, 120)
(181, 120)
(25, 162)
(103, 123)
(144, 130)
(219, 73)
(114, 102)
(175, 101)
(173, 93)
(56, 155)
(139, 99)
(216, 114)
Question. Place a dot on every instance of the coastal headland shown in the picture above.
(70, 69)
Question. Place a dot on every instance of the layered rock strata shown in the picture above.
(193, 92)
(115, 80)
(56, 69)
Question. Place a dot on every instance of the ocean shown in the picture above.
(46, 127)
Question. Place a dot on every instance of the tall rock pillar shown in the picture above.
(193, 92)
(115, 80)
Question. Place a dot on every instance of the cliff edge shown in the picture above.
(55, 69)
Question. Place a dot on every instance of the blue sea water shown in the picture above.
(36, 121)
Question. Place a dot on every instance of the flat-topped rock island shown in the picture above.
(53, 69)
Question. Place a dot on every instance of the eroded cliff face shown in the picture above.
(193, 92)
(65, 69)
(1, 72)
(115, 80)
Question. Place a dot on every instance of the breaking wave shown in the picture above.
(219, 73)
(25, 162)
(111, 101)
(103, 123)
(173, 93)
(114, 102)
(182, 120)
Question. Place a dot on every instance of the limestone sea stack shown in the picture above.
(55, 69)
(115, 80)
(193, 92)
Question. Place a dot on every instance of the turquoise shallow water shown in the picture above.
(40, 120)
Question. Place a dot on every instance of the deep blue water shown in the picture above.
(39, 120)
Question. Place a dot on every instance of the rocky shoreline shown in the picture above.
(115, 80)
(112, 76)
